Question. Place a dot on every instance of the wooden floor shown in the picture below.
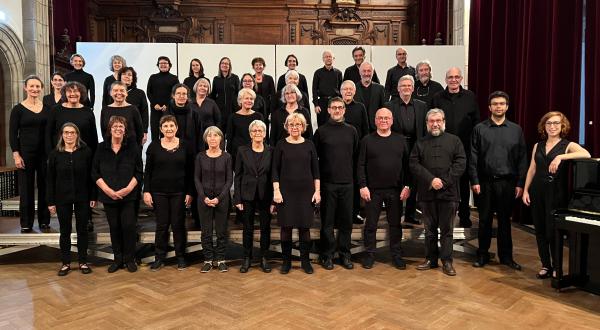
(495, 297)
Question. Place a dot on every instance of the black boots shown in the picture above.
(305, 257)
(286, 252)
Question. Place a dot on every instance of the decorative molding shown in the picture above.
(293, 33)
(221, 28)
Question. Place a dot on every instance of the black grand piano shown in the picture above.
(580, 222)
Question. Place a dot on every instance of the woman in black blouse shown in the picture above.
(207, 108)
(290, 95)
(120, 107)
(117, 171)
(260, 105)
(265, 85)
(196, 72)
(213, 178)
(168, 188)
(78, 62)
(297, 189)
(68, 163)
(291, 77)
(55, 96)
(253, 192)
(136, 97)
(26, 134)
(115, 64)
(225, 87)
(237, 129)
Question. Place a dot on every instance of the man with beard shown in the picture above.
(353, 72)
(437, 162)
(425, 88)
(498, 167)
(399, 70)
(370, 93)
(325, 85)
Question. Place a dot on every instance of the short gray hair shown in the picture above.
(290, 88)
(435, 111)
(259, 123)
(407, 77)
(211, 130)
(116, 58)
(291, 72)
(348, 82)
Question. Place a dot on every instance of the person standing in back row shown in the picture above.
(325, 85)
(159, 93)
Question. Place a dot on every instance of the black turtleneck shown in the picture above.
(159, 88)
(137, 97)
(87, 80)
(135, 132)
(337, 148)
(189, 126)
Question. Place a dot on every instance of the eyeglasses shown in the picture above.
(337, 108)
(436, 121)
(69, 133)
(295, 125)
(555, 123)
(247, 81)
(257, 131)
(384, 118)
(400, 53)
(453, 77)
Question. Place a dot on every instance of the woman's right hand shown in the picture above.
(277, 198)
(112, 194)
(525, 198)
(148, 199)
(19, 162)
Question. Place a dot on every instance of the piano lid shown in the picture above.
(586, 186)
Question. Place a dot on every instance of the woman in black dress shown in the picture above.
(546, 183)
(136, 97)
(213, 178)
(120, 107)
(207, 108)
(265, 85)
(253, 192)
(225, 87)
(117, 171)
(237, 129)
(290, 94)
(297, 189)
(196, 72)
(168, 185)
(26, 135)
(78, 62)
(260, 104)
(115, 64)
(55, 96)
(291, 77)
(68, 163)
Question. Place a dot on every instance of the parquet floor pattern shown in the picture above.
(32, 296)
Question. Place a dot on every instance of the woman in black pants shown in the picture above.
(213, 178)
(26, 134)
(225, 87)
(117, 171)
(70, 161)
(168, 189)
(253, 191)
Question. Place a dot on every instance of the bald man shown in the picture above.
(396, 72)
(325, 85)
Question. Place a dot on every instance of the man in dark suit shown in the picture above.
(369, 93)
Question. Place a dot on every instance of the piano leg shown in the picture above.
(561, 281)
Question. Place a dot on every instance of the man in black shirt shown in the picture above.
(353, 72)
(462, 114)
(337, 147)
(382, 176)
(159, 93)
(370, 93)
(425, 88)
(437, 162)
(498, 166)
(325, 85)
(409, 120)
(397, 71)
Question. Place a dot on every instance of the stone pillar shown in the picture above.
(36, 39)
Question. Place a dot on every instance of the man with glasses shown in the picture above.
(437, 162)
(399, 70)
(462, 114)
(498, 167)
(382, 176)
(425, 88)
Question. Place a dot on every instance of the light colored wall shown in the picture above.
(13, 16)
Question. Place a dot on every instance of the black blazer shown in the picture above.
(376, 102)
(421, 109)
(249, 175)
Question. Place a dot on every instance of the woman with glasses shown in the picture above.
(290, 96)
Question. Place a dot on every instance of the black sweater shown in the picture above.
(88, 81)
(135, 131)
(190, 82)
(189, 125)
(461, 112)
(326, 83)
(49, 101)
(159, 88)
(383, 162)
(224, 92)
(164, 169)
(337, 148)
(356, 115)
(302, 84)
(137, 97)
(106, 98)
(67, 174)
(278, 118)
(208, 113)
(27, 130)
(82, 117)
(237, 130)
(213, 176)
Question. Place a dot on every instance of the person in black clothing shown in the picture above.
(188, 121)
(68, 163)
(196, 72)
(336, 143)
(382, 176)
(291, 96)
(253, 192)
(437, 161)
(26, 136)
(213, 178)
(291, 77)
(352, 72)
(115, 64)
(120, 107)
(296, 190)
(265, 85)
(425, 88)
(325, 85)
(409, 120)
(117, 171)
(355, 113)
(55, 96)
(82, 77)
(225, 88)
(291, 62)
(168, 189)
(394, 73)
(260, 104)
(497, 166)
(370, 94)
(207, 109)
(135, 97)
(461, 112)
(237, 129)
(546, 185)
(159, 93)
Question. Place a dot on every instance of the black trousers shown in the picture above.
(34, 172)
(336, 211)
(541, 212)
(439, 214)
(214, 218)
(323, 116)
(170, 212)
(155, 117)
(121, 222)
(496, 196)
(393, 207)
(247, 216)
(464, 210)
(286, 243)
(64, 213)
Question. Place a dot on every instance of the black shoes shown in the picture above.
(285, 266)
(368, 261)
(181, 264)
(131, 267)
(306, 266)
(264, 265)
(428, 264)
(544, 273)
(114, 267)
(85, 268)
(206, 267)
(64, 270)
(481, 261)
(327, 263)
(157, 265)
(512, 264)
(448, 269)
(399, 263)
(222, 266)
(346, 262)
(44, 227)
(245, 265)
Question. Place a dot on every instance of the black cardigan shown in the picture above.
(118, 169)
(250, 176)
(66, 171)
